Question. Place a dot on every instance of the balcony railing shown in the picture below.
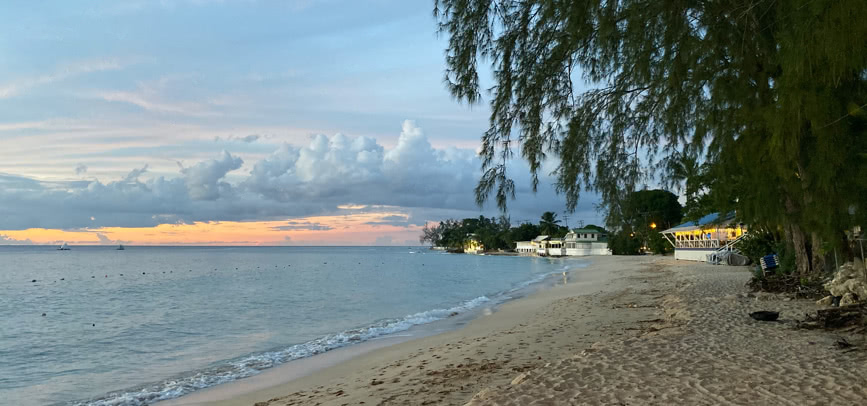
(709, 244)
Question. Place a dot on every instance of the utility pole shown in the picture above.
(566, 218)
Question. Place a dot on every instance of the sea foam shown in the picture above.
(253, 364)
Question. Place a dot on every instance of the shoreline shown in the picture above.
(302, 367)
(445, 367)
(636, 330)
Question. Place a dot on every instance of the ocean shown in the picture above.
(99, 326)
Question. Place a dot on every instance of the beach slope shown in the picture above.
(610, 299)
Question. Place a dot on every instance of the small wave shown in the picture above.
(253, 364)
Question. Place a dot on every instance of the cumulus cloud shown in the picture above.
(330, 175)
(413, 174)
(205, 180)
(6, 240)
(134, 174)
(103, 239)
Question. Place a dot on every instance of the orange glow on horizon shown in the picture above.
(350, 229)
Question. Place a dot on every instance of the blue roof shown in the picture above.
(709, 219)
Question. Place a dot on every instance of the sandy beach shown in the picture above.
(625, 330)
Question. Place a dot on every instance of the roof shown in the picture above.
(586, 231)
(540, 238)
(713, 218)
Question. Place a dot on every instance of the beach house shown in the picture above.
(473, 245)
(552, 247)
(586, 241)
(709, 235)
(525, 248)
(578, 242)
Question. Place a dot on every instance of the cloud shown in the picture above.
(234, 138)
(6, 240)
(80, 169)
(423, 182)
(62, 72)
(340, 169)
(133, 175)
(150, 102)
(159, 96)
(302, 225)
(351, 206)
(103, 239)
(204, 180)
(393, 220)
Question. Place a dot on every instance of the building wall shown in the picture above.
(587, 248)
(693, 254)
(582, 248)
(525, 248)
(581, 237)
(557, 252)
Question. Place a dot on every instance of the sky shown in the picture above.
(196, 122)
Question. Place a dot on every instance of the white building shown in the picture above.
(578, 242)
(525, 248)
(586, 241)
(553, 247)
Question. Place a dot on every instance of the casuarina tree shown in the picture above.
(770, 93)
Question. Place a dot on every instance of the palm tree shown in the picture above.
(684, 174)
(549, 224)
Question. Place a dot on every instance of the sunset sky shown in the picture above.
(236, 123)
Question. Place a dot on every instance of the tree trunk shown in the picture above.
(802, 259)
(798, 239)
(818, 262)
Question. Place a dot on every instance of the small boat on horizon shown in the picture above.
(120, 247)
(64, 247)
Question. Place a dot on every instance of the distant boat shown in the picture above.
(120, 247)
(63, 247)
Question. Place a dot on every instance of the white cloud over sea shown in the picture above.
(336, 174)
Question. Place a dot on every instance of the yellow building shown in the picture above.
(695, 240)
(473, 245)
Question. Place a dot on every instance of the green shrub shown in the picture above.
(755, 245)
(787, 258)
(658, 244)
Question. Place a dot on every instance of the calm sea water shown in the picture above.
(146, 324)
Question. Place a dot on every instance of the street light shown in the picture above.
(653, 225)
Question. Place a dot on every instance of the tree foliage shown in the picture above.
(769, 94)
(643, 215)
(549, 224)
(493, 234)
(624, 242)
(646, 208)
